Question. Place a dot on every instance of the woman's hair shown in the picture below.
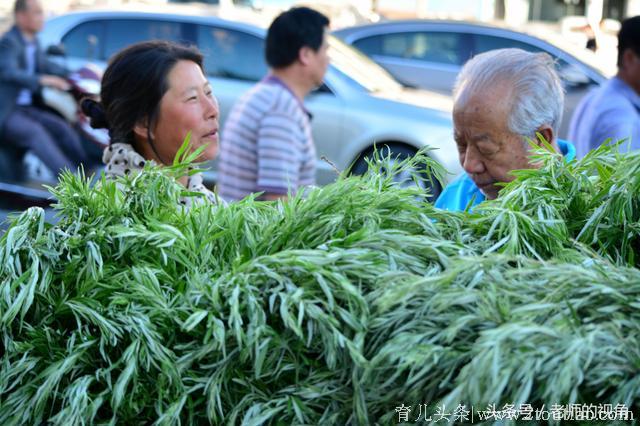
(132, 87)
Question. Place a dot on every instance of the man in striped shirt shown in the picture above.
(266, 143)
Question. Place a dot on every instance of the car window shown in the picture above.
(440, 47)
(570, 74)
(231, 54)
(123, 32)
(369, 45)
(85, 41)
(484, 43)
(358, 68)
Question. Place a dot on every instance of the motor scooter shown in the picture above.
(20, 165)
(85, 83)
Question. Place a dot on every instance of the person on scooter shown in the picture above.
(24, 71)
(153, 95)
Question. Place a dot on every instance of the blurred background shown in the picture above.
(393, 64)
(568, 18)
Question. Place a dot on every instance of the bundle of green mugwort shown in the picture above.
(332, 308)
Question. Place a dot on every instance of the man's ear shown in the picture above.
(304, 55)
(547, 133)
(629, 57)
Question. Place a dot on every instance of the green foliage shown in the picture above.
(332, 308)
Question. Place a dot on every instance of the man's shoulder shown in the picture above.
(282, 103)
(258, 99)
(268, 97)
(612, 97)
(613, 110)
(10, 38)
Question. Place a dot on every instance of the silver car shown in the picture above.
(358, 106)
(429, 54)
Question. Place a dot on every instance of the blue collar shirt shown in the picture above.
(609, 111)
(459, 193)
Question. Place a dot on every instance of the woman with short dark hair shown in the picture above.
(153, 95)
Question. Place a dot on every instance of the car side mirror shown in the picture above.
(573, 76)
(323, 88)
(56, 50)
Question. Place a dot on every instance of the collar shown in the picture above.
(272, 79)
(621, 86)
(21, 37)
(121, 159)
(567, 149)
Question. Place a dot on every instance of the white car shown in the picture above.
(358, 106)
(428, 54)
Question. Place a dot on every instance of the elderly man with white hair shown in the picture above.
(502, 98)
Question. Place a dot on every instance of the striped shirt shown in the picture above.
(266, 144)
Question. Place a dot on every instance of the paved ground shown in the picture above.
(4, 24)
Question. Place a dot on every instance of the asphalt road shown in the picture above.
(4, 24)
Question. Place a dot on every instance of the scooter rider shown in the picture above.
(24, 70)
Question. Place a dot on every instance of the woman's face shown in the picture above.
(187, 106)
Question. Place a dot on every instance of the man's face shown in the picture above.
(631, 65)
(31, 20)
(488, 150)
(320, 61)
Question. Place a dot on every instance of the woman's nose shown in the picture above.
(212, 109)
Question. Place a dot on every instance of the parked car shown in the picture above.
(429, 54)
(358, 106)
(340, 13)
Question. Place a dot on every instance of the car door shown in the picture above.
(234, 62)
(574, 80)
(84, 43)
(327, 127)
(571, 71)
(120, 33)
(97, 40)
(425, 59)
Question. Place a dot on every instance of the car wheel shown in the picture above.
(397, 153)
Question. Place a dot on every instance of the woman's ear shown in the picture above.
(141, 130)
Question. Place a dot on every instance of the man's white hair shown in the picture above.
(537, 94)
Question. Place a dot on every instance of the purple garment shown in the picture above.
(609, 111)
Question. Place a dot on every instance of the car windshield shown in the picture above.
(360, 69)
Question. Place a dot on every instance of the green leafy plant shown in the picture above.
(330, 308)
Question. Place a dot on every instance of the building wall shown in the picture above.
(633, 8)
(554, 10)
(514, 12)
(481, 10)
